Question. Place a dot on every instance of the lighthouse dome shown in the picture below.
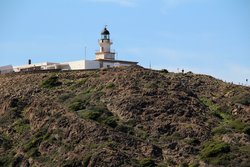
(105, 31)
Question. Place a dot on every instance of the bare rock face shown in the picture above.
(122, 117)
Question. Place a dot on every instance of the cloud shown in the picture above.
(125, 3)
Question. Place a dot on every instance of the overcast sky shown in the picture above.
(204, 36)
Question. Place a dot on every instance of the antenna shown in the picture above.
(149, 64)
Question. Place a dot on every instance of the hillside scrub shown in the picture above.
(128, 116)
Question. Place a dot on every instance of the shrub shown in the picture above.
(246, 130)
(22, 125)
(214, 148)
(142, 134)
(86, 160)
(17, 104)
(193, 141)
(76, 106)
(5, 143)
(110, 85)
(242, 99)
(147, 162)
(51, 82)
(151, 85)
(89, 114)
(124, 128)
(33, 152)
(217, 114)
(171, 162)
(31, 147)
(213, 107)
(6, 160)
(194, 165)
(110, 121)
(64, 97)
(237, 125)
(184, 164)
(221, 130)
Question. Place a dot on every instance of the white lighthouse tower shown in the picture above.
(105, 45)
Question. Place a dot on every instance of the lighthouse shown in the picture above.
(105, 43)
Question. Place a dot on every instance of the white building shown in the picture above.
(6, 69)
(104, 59)
(34, 67)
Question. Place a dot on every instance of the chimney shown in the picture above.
(29, 61)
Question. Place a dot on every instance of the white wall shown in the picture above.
(42, 65)
(105, 56)
(81, 65)
(90, 64)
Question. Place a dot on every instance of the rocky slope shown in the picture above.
(122, 117)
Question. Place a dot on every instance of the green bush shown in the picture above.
(31, 147)
(110, 85)
(5, 142)
(76, 106)
(86, 160)
(51, 82)
(184, 164)
(89, 114)
(110, 121)
(217, 114)
(193, 141)
(147, 162)
(22, 125)
(214, 148)
(33, 152)
(151, 85)
(6, 160)
(242, 99)
(237, 125)
(64, 97)
(124, 128)
(221, 130)
(246, 130)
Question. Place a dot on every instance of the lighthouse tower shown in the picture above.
(105, 45)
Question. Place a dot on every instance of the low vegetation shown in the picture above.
(126, 116)
(214, 152)
(51, 82)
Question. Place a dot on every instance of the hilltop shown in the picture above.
(127, 116)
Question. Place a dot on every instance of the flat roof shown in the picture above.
(117, 61)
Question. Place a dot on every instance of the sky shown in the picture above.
(203, 36)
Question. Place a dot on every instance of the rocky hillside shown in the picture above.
(122, 117)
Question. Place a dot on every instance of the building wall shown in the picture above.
(81, 65)
(90, 64)
(30, 66)
(105, 56)
(121, 64)
(108, 64)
